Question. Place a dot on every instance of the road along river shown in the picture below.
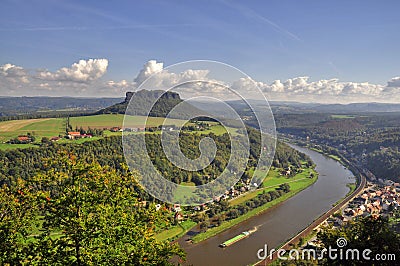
(278, 224)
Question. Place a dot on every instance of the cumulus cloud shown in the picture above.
(394, 82)
(14, 73)
(165, 80)
(148, 69)
(85, 78)
(116, 88)
(83, 71)
(78, 79)
(325, 90)
(302, 85)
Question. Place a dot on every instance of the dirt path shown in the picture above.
(13, 125)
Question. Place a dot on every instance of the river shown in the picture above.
(280, 223)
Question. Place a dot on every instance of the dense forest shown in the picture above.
(25, 163)
(371, 140)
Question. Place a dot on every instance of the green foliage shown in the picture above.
(97, 214)
(144, 99)
(17, 219)
(372, 139)
(26, 163)
(366, 233)
(385, 163)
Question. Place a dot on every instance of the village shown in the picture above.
(375, 200)
(243, 189)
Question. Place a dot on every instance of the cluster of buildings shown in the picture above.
(375, 201)
(127, 129)
(234, 192)
(77, 135)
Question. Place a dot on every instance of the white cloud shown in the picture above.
(81, 78)
(165, 80)
(148, 69)
(83, 71)
(326, 90)
(84, 78)
(301, 86)
(13, 73)
(394, 82)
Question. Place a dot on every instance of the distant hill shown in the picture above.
(143, 100)
(287, 107)
(359, 107)
(14, 106)
(295, 107)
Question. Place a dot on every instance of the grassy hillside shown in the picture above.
(47, 127)
(51, 127)
(116, 120)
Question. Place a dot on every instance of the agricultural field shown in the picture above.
(48, 127)
(52, 127)
(117, 120)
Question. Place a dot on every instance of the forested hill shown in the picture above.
(143, 100)
(26, 163)
(17, 106)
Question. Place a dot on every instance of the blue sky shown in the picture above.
(354, 41)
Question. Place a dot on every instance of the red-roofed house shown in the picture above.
(74, 134)
(24, 138)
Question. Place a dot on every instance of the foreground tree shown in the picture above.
(91, 216)
(17, 222)
(372, 233)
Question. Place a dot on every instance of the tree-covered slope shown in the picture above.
(143, 102)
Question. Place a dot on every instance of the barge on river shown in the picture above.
(235, 239)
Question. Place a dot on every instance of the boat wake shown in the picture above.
(253, 230)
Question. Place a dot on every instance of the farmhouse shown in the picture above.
(74, 134)
(77, 135)
(115, 129)
(24, 138)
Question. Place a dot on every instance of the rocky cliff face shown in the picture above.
(152, 95)
(144, 100)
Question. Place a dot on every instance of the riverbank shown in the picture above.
(279, 223)
(175, 231)
(355, 190)
(339, 158)
(309, 229)
(295, 187)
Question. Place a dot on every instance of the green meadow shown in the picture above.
(274, 179)
(52, 127)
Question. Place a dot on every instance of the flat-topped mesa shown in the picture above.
(152, 94)
(143, 105)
